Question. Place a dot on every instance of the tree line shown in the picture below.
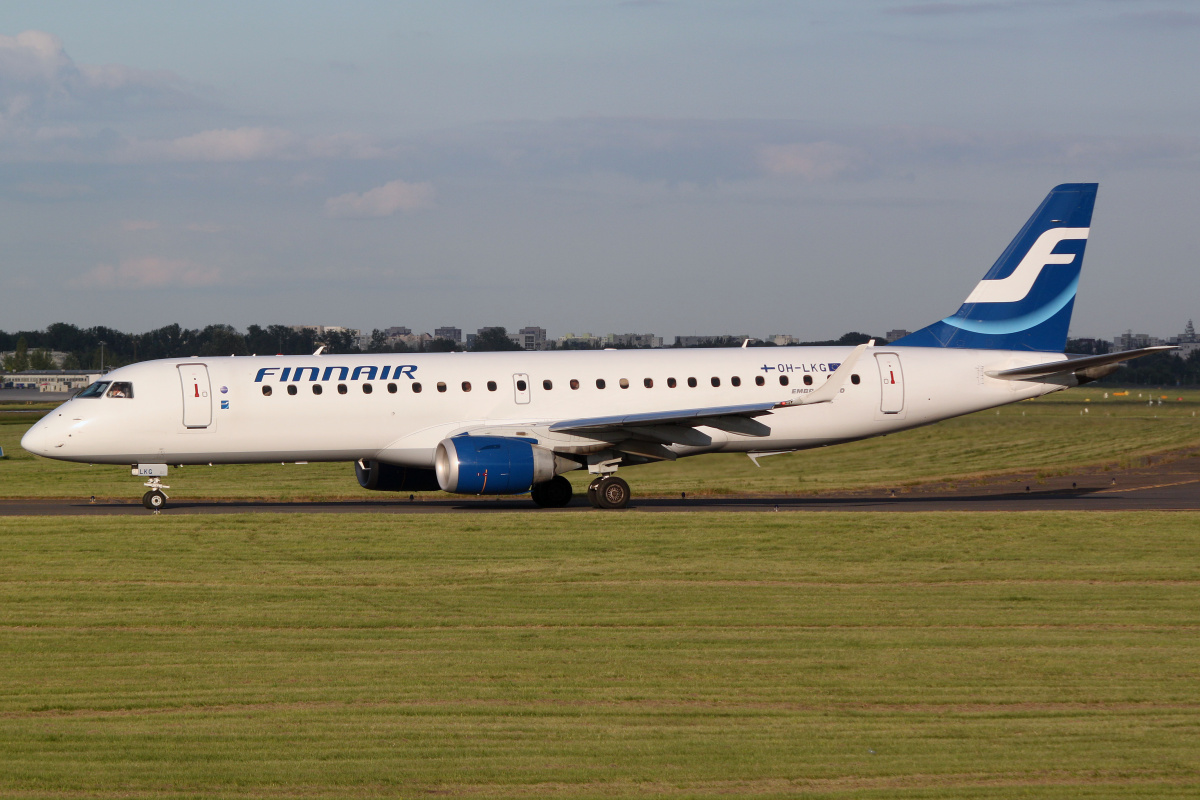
(88, 348)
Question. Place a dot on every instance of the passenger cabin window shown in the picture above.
(735, 380)
(624, 383)
(599, 383)
(441, 386)
(121, 389)
(648, 383)
(391, 388)
(266, 391)
(367, 388)
(692, 382)
(291, 388)
(522, 385)
(466, 386)
(574, 383)
(783, 380)
(317, 388)
(670, 383)
(808, 380)
(491, 386)
(342, 388)
(759, 380)
(416, 387)
(95, 390)
(716, 381)
(854, 379)
(547, 385)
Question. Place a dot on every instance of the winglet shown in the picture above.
(833, 384)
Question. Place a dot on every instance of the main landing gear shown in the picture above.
(554, 493)
(608, 491)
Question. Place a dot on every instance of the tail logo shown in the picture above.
(1016, 286)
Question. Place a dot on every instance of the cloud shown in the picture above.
(815, 161)
(39, 80)
(237, 144)
(382, 201)
(147, 273)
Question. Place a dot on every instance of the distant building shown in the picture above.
(580, 340)
(450, 334)
(1133, 341)
(899, 333)
(397, 331)
(50, 380)
(782, 339)
(530, 338)
(633, 340)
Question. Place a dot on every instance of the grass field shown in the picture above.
(834, 655)
(1048, 435)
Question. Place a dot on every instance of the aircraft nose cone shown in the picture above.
(37, 439)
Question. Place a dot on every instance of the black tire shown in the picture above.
(612, 493)
(554, 493)
(593, 498)
(154, 500)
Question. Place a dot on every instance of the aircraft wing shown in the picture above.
(1087, 368)
(689, 417)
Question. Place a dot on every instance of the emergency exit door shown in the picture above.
(197, 395)
(891, 380)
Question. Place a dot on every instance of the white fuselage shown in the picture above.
(202, 410)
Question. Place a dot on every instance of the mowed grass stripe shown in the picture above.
(841, 655)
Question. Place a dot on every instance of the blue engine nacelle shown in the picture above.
(380, 477)
(494, 465)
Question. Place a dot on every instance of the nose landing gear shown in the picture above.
(156, 498)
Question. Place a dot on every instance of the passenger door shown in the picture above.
(891, 379)
(197, 395)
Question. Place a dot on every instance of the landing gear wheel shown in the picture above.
(612, 492)
(554, 493)
(593, 498)
(154, 500)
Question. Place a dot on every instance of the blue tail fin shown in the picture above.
(1025, 300)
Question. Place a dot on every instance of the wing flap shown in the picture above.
(689, 417)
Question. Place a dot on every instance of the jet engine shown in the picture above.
(380, 477)
(495, 465)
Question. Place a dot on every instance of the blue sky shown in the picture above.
(748, 167)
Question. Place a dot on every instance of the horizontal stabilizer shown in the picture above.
(1074, 364)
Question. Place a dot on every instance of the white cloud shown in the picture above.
(147, 273)
(814, 161)
(38, 78)
(382, 201)
(237, 144)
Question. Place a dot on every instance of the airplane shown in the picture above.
(512, 423)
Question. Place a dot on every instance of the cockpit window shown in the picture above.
(121, 389)
(95, 390)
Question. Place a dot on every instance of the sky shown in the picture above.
(751, 167)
